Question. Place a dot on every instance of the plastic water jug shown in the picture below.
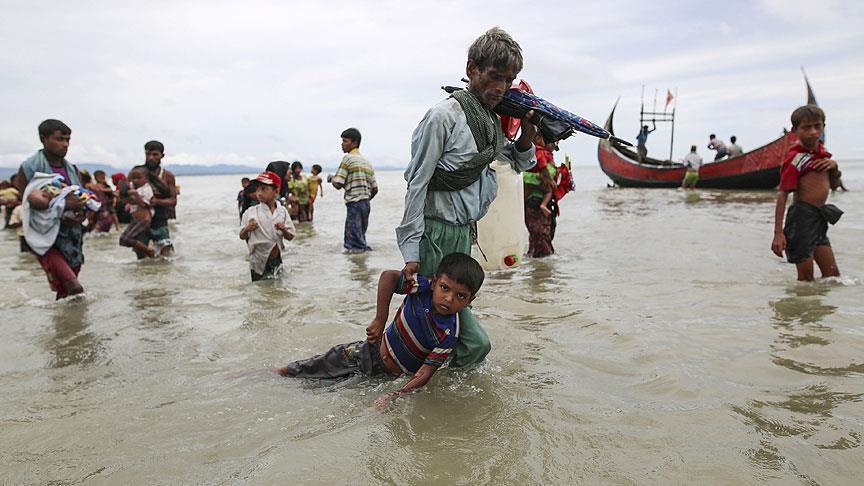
(501, 234)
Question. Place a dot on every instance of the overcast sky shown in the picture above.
(249, 82)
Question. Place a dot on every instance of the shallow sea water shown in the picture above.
(663, 344)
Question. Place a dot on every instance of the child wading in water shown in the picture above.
(315, 183)
(809, 171)
(139, 194)
(419, 339)
(264, 226)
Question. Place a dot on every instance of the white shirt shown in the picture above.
(693, 161)
(734, 150)
(146, 194)
(262, 240)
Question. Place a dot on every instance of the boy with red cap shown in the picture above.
(808, 170)
(264, 226)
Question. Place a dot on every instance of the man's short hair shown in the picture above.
(317, 167)
(97, 173)
(154, 145)
(244, 179)
(497, 49)
(352, 134)
(463, 269)
(733, 138)
(49, 126)
(807, 112)
(712, 136)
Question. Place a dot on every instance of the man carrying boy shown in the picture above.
(163, 207)
(264, 226)
(450, 185)
(807, 171)
(63, 260)
(356, 176)
(420, 338)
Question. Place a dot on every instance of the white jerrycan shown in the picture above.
(501, 234)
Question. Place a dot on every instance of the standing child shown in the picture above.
(264, 226)
(315, 183)
(421, 336)
(139, 194)
(807, 171)
(107, 214)
(298, 184)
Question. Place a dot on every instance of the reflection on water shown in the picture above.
(618, 202)
(359, 270)
(72, 343)
(154, 306)
(807, 412)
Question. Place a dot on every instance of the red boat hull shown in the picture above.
(757, 169)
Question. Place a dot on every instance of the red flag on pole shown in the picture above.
(669, 98)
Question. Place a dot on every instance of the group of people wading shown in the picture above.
(55, 203)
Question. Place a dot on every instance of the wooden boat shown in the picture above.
(757, 169)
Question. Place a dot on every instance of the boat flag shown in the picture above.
(669, 98)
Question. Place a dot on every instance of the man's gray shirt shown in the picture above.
(443, 139)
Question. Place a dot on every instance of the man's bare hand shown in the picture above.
(527, 133)
(411, 269)
(778, 246)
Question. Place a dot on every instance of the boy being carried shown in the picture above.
(807, 170)
(421, 336)
(139, 194)
(264, 226)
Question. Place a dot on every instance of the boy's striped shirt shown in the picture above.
(417, 336)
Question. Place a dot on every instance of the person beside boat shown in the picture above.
(641, 139)
(734, 150)
(693, 161)
(450, 184)
(807, 171)
(718, 145)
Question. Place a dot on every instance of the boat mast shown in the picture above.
(658, 117)
(672, 138)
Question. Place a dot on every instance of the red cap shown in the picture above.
(271, 178)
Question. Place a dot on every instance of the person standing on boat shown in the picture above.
(450, 184)
(693, 162)
(641, 139)
(718, 145)
(734, 149)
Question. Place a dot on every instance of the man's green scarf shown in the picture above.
(488, 136)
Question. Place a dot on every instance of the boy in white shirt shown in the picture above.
(264, 226)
